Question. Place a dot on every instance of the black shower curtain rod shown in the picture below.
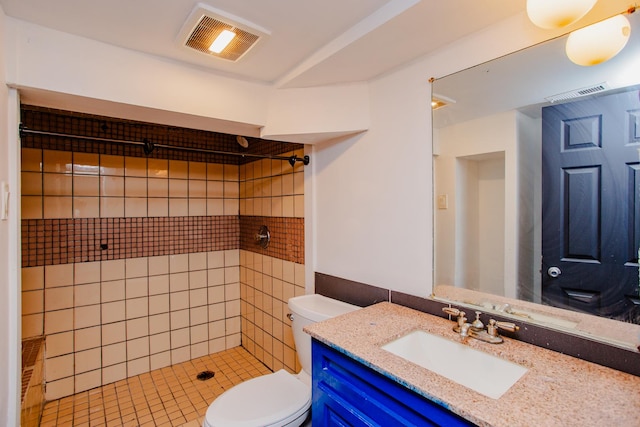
(149, 146)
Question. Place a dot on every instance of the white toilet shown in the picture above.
(278, 399)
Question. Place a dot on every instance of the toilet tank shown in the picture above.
(308, 309)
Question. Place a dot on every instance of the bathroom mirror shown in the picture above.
(494, 247)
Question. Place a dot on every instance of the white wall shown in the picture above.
(110, 80)
(317, 113)
(373, 203)
(473, 232)
(372, 213)
(464, 236)
(464, 151)
(5, 333)
(9, 258)
(386, 237)
(4, 247)
(51, 60)
(490, 224)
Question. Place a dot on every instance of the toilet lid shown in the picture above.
(261, 401)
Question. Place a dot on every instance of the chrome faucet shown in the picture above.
(476, 328)
(464, 330)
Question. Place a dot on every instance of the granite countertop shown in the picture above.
(557, 390)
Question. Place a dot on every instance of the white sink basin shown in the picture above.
(479, 371)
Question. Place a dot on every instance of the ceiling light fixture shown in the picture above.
(222, 40)
(206, 27)
(587, 46)
(550, 14)
(439, 101)
(598, 42)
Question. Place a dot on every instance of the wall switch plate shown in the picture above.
(4, 201)
(443, 201)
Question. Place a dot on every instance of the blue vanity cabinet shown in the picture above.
(348, 393)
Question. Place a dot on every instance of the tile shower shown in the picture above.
(132, 263)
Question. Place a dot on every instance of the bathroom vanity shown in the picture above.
(356, 381)
(346, 392)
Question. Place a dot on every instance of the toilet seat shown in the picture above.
(275, 399)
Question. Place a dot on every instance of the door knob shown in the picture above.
(554, 272)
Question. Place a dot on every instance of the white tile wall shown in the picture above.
(109, 320)
(266, 284)
(58, 184)
(270, 188)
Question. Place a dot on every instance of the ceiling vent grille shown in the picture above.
(577, 93)
(206, 23)
(209, 28)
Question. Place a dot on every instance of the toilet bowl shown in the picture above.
(281, 398)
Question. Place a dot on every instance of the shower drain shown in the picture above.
(205, 375)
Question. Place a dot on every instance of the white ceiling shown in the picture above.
(311, 43)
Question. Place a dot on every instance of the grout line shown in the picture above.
(169, 396)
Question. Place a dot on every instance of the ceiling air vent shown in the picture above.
(577, 93)
(205, 24)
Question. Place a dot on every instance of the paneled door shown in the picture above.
(591, 205)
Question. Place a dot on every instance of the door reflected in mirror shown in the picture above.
(537, 159)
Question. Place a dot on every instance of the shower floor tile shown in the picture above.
(170, 396)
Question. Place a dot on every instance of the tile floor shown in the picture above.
(170, 396)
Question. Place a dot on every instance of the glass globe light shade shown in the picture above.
(598, 42)
(552, 14)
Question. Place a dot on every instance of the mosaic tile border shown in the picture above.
(62, 241)
(287, 237)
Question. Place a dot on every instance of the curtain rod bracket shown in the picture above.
(293, 159)
(148, 146)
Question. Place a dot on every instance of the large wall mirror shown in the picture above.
(537, 189)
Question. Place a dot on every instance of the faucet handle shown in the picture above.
(462, 319)
(508, 326)
(477, 324)
(494, 325)
(451, 311)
